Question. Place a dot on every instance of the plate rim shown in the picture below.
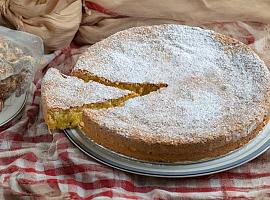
(264, 147)
(17, 112)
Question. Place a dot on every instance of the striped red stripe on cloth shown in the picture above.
(37, 165)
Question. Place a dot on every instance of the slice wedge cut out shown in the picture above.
(139, 88)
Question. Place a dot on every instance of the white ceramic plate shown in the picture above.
(12, 107)
(176, 170)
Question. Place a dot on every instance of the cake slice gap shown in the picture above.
(139, 88)
(64, 98)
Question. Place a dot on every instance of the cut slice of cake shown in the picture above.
(65, 97)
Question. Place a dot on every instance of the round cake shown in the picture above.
(207, 94)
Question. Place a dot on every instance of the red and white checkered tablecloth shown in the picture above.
(37, 165)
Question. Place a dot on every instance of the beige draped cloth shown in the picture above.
(58, 21)
(55, 21)
(117, 15)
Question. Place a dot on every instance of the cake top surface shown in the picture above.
(61, 91)
(217, 86)
(161, 53)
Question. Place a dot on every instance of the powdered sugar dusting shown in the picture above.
(211, 90)
(65, 92)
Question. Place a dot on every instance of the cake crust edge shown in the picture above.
(142, 149)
